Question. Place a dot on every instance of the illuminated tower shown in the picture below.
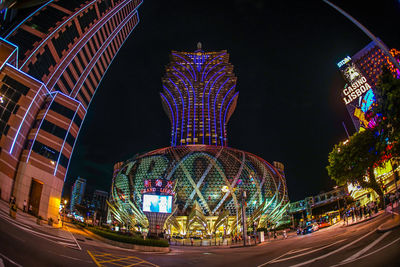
(51, 65)
(199, 96)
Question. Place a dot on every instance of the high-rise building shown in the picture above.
(99, 203)
(198, 183)
(361, 73)
(199, 96)
(52, 63)
(78, 192)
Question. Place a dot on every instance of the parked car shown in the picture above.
(307, 230)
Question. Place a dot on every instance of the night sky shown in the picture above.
(284, 55)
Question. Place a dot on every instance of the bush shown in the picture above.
(129, 239)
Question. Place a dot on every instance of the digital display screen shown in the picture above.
(157, 203)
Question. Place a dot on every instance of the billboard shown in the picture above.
(157, 203)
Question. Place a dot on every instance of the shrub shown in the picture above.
(129, 239)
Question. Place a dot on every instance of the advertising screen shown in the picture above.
(157, 203)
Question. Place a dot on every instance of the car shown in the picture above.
(307, 230)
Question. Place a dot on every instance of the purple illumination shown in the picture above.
(194, 102)
(215, 116)
(188, 95)
(202, 76)
(208, 100)
(202, 104)
(220, 112)
(173, 120)
(183, 107)
(194, 72)
(227, 106)
(177, 113)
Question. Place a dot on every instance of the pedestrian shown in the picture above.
(24, 205)
(30, 209)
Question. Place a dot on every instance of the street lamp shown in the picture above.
(65, 205)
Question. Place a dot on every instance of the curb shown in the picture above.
(127, 245)
(387, 226)
(362, 221)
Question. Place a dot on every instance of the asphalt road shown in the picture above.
(357, 245)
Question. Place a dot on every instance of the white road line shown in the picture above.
(369, 254)
(65, 256)
(8, 259)
(12, 221)
(268, 262)
(308, 252)
(366, 248)
(76, 241)
(333, 252)
(297, 250)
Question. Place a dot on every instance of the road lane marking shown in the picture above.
(333, 252)
(302, 254)
(93, 258)
(297, 250)
(103, 259)
(366, 248)
(369, 254)
(74, 238)
(65, 256)
(10, 260)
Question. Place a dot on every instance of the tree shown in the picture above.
(354, 160)
(387, 112)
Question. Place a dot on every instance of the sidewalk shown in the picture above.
(393, 221)
(373, 216)
(25, 219)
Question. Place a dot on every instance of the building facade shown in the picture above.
(77, 192)
(99, 204)
(199, 97)
(52, 64)
(361, 72)
(207, 182)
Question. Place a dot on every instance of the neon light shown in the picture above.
(208, 99)
(367, 101)
(220, 111)
(23, 120)
(26, 74)
(99, 25)
(227, 107)
(183, 108)
(100, 51)
(185, 68)
(53, 32)
(202, 104)
(194, 72)
(177, 112)
(215, 119)
(38, 129)
(194, 103)
(172, 115)
(187, 90)
(66, 172)
(65, 138)
(202, 78)
(22, 22)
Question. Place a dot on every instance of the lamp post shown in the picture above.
(65, 205)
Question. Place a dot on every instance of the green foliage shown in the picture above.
(387, 107)
(350, 161)
(129, 239)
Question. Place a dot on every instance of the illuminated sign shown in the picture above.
(157, 186)
(343, 61)
(157, 203)
(355, 90)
